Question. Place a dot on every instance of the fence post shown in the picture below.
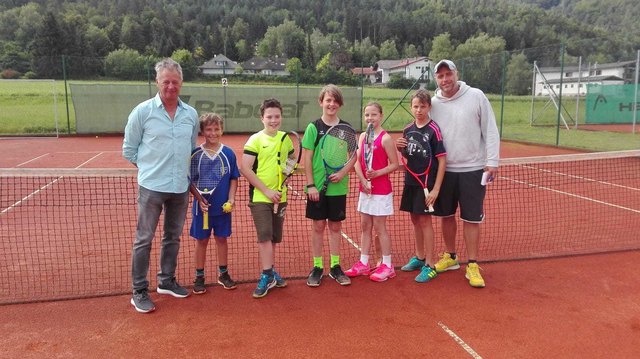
(66, 96)
(504, 75)
(298, 96)
(560, 95)
(148, 66)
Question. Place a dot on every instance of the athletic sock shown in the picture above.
(317, 262)
(364, 259)
(335, 260)
(386, 260)
(222, 269)
(199, 272)
(452, 255)
(473, 261)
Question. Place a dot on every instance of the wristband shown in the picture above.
(311, 186)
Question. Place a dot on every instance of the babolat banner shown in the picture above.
(610, 103)
(101, 108)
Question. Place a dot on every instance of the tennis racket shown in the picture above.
(367, 150)
(338, 147)
(289, 155)
(418, 159)
(207, 172)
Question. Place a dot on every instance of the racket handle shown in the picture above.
(426, 194)
(205, 220)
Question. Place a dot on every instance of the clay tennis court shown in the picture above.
(578, 306)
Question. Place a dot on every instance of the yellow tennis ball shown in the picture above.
(227, 207)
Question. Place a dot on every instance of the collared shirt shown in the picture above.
(159, 147)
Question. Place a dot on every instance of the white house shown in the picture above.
(574, 80)
(410, 68)
(218, 65)
(265, 66)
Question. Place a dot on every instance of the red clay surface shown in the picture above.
(585, 306)
(578, 307)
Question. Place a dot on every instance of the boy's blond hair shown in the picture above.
(210, 118)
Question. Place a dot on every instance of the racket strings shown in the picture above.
(211, 171)
(339, 146)
(290, 162)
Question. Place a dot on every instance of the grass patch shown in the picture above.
(28, 108)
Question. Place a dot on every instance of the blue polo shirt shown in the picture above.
(161, 148)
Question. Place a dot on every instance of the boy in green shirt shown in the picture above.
(328, 210)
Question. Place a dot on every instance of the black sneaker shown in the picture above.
(173, 288)
(315, 277)
(142, 302)
(337, 274)
(198, 285)
(225, 280)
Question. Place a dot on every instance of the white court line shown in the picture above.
(573, 195)
(33, 159)
(30, 195)
(90, 159)
(587, 179)
(460, 342)
(16, 204)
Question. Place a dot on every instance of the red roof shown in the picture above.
(363, 71)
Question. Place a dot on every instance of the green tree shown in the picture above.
(480, 61)
(441, 47)
(518, 75)
(324, 63)
(293, 65)
(285, 40)
(410, 51)
(98, 40)
(186, 61)
(364, 53)
(12, 57)
(389, 50)
(47, 49)
(132, 34)
(126, 64)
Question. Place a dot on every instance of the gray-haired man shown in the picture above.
(158, 139)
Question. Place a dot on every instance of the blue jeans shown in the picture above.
(150, 205)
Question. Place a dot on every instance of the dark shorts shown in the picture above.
(332, 208)
(220, 225)
(412, 200)
(268, 224)
(464, 189)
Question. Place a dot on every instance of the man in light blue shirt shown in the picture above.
(158, 139)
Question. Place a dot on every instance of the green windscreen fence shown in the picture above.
(102, 109)
(610, 103)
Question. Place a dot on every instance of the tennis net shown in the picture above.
(67, 233)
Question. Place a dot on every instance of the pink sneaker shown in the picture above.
(383, 273)
(358, 269)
